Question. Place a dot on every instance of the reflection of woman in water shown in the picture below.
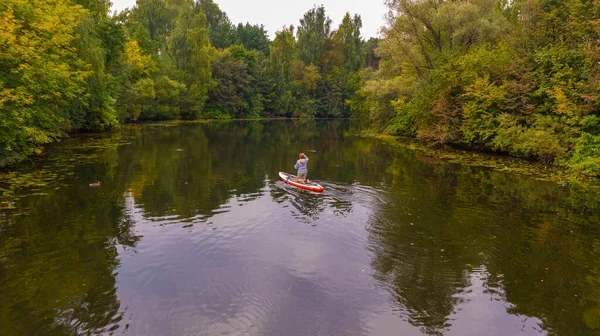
(302, 167)
(307, 206)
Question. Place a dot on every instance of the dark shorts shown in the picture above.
(302, 176)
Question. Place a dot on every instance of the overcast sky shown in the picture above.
(274, 14)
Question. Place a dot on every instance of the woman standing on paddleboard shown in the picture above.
(302, 167)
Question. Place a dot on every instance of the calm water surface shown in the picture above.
(207, 241)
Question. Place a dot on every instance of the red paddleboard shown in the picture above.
(289, 179)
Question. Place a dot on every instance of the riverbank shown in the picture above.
(500, 162)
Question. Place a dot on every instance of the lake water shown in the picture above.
(192, 233)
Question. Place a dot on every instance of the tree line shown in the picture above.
(519, 77)
(72, 65)
(512, 76)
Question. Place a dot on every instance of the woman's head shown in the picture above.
(301, 155)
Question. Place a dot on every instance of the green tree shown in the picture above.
(371, 57)
(222, 31)
(253, 37)
(191, 53)
(229, 96)
(352, 43)
(153, 15)
(282, 52)
(259, 88)
(93, 111)
(313, 32)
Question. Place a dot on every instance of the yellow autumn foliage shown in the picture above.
(142, 63)
(40, 72)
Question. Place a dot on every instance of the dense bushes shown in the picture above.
(517, 77)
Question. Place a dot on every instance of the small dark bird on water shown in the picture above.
(95, 185)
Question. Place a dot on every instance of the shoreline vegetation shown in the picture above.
(518, 78)
(512, 77)
(537, 170)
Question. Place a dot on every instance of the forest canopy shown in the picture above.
(518, 77)
(72, 65)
